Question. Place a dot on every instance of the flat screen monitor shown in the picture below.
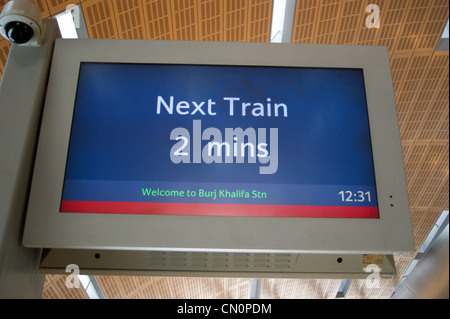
(199, 146)
(220, 141)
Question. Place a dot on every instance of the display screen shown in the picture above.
(216, 140)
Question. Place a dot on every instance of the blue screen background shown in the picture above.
(117, 134)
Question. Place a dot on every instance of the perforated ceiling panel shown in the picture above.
(409, 28)
(4, 49)
(100, 20)
(212, 20)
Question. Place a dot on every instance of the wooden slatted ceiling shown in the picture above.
(406, 25)
(213, 20)
(99, 18)
(409, 28)
(4, 50)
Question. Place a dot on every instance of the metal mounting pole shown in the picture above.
(22, 92)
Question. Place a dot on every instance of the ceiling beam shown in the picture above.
(282, 21)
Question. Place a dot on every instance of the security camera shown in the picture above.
(21, 23)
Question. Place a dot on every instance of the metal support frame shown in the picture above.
(22, 92)
(343, 288)
(287, 8)
(255, 289)
(427, 275)
(90, 287)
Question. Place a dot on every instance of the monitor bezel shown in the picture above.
(46, 227)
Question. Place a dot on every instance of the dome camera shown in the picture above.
(21, 23)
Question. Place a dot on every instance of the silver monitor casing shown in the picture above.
(46, 227)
